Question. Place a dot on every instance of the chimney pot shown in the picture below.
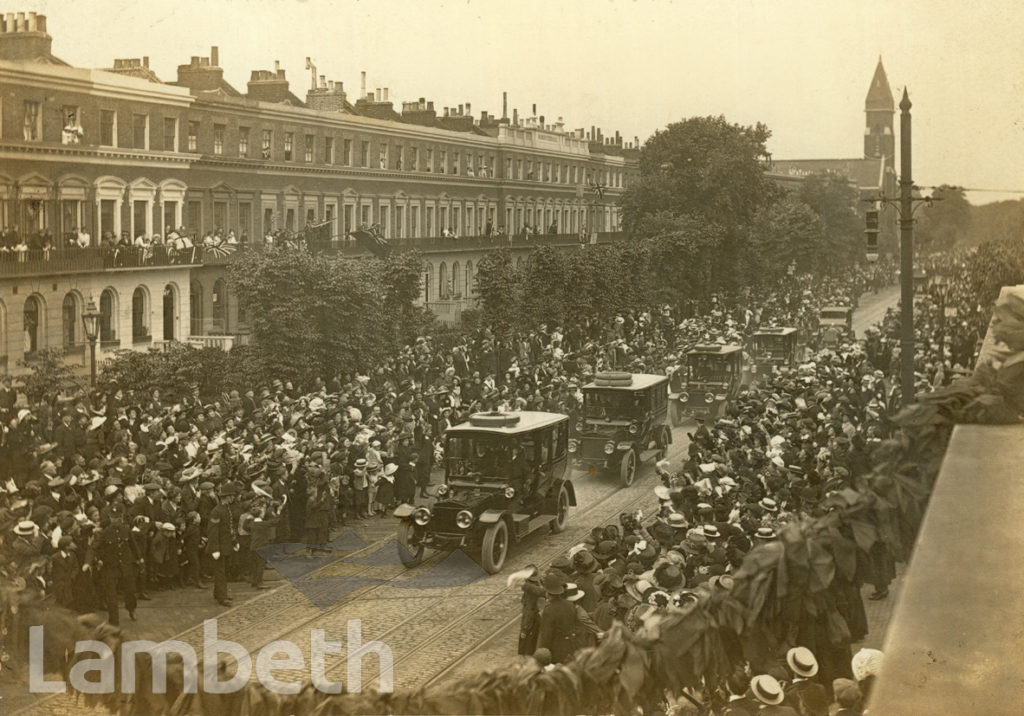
(215, 56)
(515, 116)
(430, 106)
(504, 105)
(468, 110)
(534, 110)
(31, 22)
(145, 61)
(385, 94)
(445, 111)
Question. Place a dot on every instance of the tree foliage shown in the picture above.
(498, 291)
(177, 370)
(48, 373)
(944, 224)
(314, 315)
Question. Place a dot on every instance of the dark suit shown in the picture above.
(116, 550)
(557, 629)
(220, 538)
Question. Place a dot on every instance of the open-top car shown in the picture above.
(772, 348)
(504, 478)
(713, 377)
(624, 414)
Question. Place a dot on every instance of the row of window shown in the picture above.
(260, 143)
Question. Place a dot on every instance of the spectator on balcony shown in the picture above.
(489, 229)
(553, 229)
(448, 233)
(231, 239)
(10, 237)
(83, 240)
(21, 249)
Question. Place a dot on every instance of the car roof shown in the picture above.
(776, 331)
(640, 382)
(713, 349)
(836, 308)
(528, 420)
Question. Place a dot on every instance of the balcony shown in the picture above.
(431, 244)
(47, 262)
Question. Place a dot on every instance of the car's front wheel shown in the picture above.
(627, 469)
(561, 510)
(495, 547)
(410, 549)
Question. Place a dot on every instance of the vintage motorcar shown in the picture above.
(772, 348)
(504, 478)
(624, 414)
(835, 319)
(712, 379)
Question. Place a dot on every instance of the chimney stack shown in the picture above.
(145, 61)
(214, 56)
(515, 117)
(362, 85)
(277, 66)
(534, 112)
(504, 105)
(468, 110)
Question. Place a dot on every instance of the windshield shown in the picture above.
(774, 345)
(837, 314)
(477, 455)
(709, 368)
(613, 404)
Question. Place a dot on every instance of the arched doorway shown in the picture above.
(33, 320)
(140, 315)
(108, 315)
(170, 312)
(195, 308)
(69, 315)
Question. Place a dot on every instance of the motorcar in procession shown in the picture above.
(835, 323)
(624, 415)
(504, 478)
(710, 380)
(772, 348)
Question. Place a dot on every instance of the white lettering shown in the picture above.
(319, 647)
(158, 658)
(266, 664)
(356, 652)
(104, 663)
(37, 683)
(212, 648)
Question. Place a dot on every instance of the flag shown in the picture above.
(220, 250)
(372, 240)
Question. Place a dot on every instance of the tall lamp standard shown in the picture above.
(91, 322)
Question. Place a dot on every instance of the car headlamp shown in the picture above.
(609, 447)
(510, 492)
(464, 519)
(421, 516)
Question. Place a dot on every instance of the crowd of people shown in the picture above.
(786, 450)
(109, 494)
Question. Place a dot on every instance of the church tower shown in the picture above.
(879, 139)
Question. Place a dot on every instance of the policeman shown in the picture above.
(116, 558)
(221, 541)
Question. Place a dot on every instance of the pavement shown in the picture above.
(440, 620)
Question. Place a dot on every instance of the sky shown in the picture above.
(802, 68)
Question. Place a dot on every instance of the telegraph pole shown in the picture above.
(906, 256)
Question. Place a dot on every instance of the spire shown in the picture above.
(880, 94)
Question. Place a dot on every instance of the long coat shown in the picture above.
(557, 629)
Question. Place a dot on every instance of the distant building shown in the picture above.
(94, 155)
(871, 174)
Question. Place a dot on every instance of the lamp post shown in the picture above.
(91, 322)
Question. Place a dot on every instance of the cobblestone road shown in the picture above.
(438, 631)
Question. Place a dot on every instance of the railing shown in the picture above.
(443, 243)
(94, 258)
(223, 342)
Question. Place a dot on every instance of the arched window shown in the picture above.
(455, 279)
(469, 279)
(195, 308)
(428, 278)
(69, 315)
(170, 310)
(220, 306)
(108, 315)
(442, 282)
(140, 315)
(34, 319)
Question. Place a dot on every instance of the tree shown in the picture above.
(48, 373)
(710, 171)
(498, 291)
(702, 167)
(177, 370)
(944, 224)
(401, 280)
(788, 232)
(836, 202)
(315, 316)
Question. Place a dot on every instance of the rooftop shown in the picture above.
(640, 382)
(528, 420)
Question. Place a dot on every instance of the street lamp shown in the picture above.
(91, 322)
